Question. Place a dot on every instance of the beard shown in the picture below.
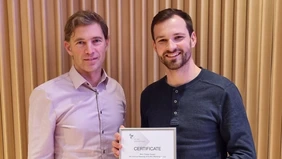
(175, 63)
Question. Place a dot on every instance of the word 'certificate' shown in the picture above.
(148, 143)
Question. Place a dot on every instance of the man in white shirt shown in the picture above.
(75, 115)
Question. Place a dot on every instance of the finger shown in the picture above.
(115, 145)
(117, 137)
(115, 149)
(116, 152)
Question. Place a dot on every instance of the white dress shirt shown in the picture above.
(70, 119)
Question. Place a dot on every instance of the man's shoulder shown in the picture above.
(51, 89)
(113, 80)
(212, 78)
(54, 83)
(156, 86)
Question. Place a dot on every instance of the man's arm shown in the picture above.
(42, 122)
(235, 128)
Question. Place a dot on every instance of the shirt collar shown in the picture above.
(78, 80)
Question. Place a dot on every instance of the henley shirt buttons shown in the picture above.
(176, 91)
(104, 151)
(101, 112)
(175, 101)
(175, 113)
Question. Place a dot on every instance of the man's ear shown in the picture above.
(154, 46)
(107, 43)
(193, 38)
(68, 47)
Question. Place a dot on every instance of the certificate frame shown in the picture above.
(149, 143)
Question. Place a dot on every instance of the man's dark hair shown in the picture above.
(168, 13)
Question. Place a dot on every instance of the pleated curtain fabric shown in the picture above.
(239, 39)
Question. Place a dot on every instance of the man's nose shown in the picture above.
(171, 45)
(89, 48)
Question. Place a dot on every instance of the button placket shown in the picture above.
(175, 103)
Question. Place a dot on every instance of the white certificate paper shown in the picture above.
(148, 143)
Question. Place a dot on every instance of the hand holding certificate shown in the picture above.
(149, 143)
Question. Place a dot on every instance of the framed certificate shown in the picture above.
(148, 143)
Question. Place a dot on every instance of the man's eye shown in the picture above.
(80, 42)
(96, 41)
(179, 37)
(161, 41)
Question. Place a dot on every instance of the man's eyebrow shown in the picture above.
(179, 34)
(159, 37)
(78, 39)
(175, 34)
(95, 37)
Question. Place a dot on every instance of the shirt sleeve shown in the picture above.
(124, 106)
(42, 122)
(143, 105)
(235, 128)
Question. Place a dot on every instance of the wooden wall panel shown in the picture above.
(240, 39)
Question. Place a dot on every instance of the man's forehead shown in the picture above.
(87, 32)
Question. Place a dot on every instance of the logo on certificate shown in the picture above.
(138, 138)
